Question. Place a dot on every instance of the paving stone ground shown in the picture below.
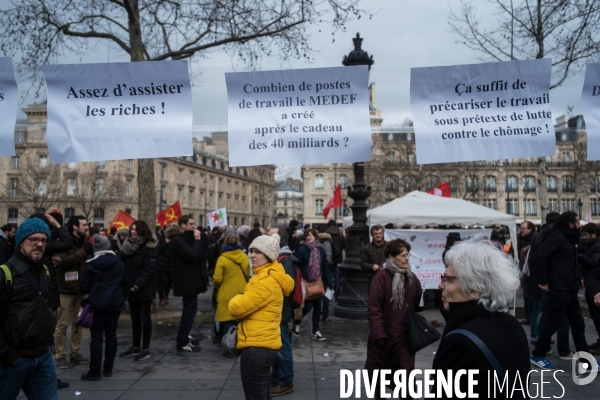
(207, 375)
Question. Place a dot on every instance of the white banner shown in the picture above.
(427, 247)
(217, 218)
(302, 116)
(590, 102)
(9, 94)
(118, 111)
(482, 111)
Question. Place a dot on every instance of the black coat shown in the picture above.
(60, 242)
(190, 276)
(287, 260)
(162, 251)
(140, 271)
(588, 256)
(501, 332)
(27, 322)
(5, 250)
(555, 263)
(113, 298)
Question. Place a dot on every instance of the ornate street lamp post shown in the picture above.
(352, 302)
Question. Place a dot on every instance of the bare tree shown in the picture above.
(41, 31)
(264, 176)
(565, 30)
(94, 189)
(40, 186)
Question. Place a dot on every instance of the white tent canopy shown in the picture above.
(419, 208)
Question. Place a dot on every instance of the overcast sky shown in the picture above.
(402, 35)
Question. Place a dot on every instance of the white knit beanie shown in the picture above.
(268, 245)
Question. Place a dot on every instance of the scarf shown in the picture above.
(131, 245)
(400, 274)
(230, 248)
(314, 262)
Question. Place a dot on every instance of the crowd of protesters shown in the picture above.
(72, 265)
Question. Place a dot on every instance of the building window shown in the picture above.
(40, 210)
(319, 182)
(318, 207)
(128, 211)
(490, 203)
(99, 216)
(179, 175)
(15, 163)
(568, 185)
(43, 162)
(20, 137)
(14, 187)
(530, 207)
(489, 184)
(71, 187)
(552, 184)
(566, 157)
(72, 165)
(391, 183)
(101, 165)
(553, 205)
(595, 207)
(568, 205)
(343, 181)
(128, 166)
(512, 206)
(409, 184)
(42, 188)
(191, 197)
(13, 215)
(178, 194)
(528, 184)
(391, 157)
(511, 184)
(69, 212)
(99, 186)
(472, 183)
(452, 182)
(594, 185)
(411, 158)
(430, 182)
(191, 178)
(128, 189)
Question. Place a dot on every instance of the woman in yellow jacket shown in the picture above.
(258, 311)
(231, 274)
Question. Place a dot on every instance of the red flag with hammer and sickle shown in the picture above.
(121, 220)
(169, 215)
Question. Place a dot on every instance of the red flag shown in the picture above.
(441, 190)
(121, 220)
(169, 215)
(335, 201)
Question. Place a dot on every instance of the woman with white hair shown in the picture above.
(478, 286)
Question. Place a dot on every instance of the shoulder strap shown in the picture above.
(7, 274)
(482, 347)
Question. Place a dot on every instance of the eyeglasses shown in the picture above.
(34, 240)
(446, 278)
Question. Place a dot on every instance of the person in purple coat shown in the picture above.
(394, 290)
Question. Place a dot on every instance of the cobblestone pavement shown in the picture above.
(207, 375)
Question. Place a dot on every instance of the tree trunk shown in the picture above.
(146, 192)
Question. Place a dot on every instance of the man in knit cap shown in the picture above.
(25, 356)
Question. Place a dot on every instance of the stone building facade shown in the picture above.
(202, 182)
(288, 201)
(510, 186)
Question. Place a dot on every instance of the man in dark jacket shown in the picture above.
(290, 230)
(538, 296)
(338, 253)
(190, 278)
(25, 356)
(283, 368)
(69, 271)
(372, 257)
(588, 255)
(7, 233)
(557, 266)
